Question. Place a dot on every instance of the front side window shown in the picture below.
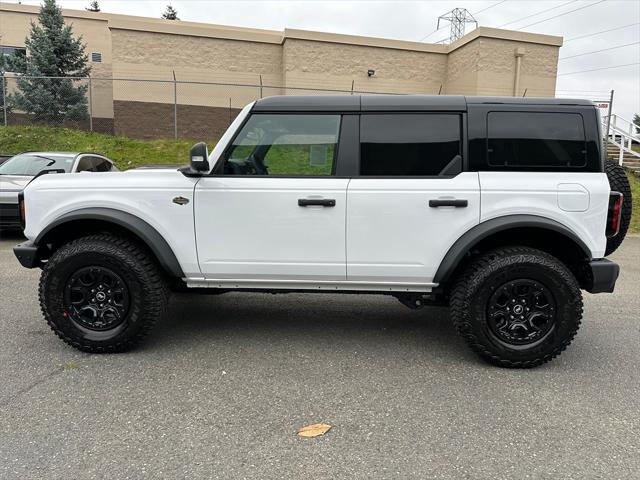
(284, 144)
(405, 144)
(535, 139)
(31, 164)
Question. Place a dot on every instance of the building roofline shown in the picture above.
(157, 25)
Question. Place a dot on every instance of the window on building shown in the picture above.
(282, 144)
(96, 57)
(408, 144)
(535, 139)
(12, 52)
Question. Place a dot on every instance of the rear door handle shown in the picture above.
(448, 203)
(321, 202)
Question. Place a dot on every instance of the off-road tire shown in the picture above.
(474, 288)
(147, 287)
(619, 182)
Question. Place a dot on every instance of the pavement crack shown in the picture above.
(44, 378)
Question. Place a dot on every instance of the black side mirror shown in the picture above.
(199, 157)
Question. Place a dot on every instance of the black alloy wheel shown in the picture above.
(521, 312)
(96, 298)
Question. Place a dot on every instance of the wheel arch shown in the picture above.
(526, 230)
(86, 221)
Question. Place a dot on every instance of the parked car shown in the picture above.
(4, 158)
(19, 170)
(502, 208)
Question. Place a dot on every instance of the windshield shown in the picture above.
(30, 164)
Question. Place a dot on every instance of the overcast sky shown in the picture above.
(413, 20)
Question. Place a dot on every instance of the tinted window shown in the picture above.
(32, 164)
(535, 139)
(279, 144)
(85, 165)
(101, 165)
(408, 144)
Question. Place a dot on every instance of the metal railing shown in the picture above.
(623, 134)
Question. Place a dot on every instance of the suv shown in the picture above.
(498, 207)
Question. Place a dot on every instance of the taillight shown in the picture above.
(615, 213)
(21, 208)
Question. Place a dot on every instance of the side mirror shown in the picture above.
(199, 157)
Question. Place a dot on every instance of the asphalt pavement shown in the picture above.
(221, 387)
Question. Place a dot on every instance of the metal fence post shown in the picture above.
(260, 86)
(90, 105)
(175, 106)
(4, 99)
(609, 116)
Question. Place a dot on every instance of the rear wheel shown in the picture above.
(517, 307)
(102, 293)
(619, 182)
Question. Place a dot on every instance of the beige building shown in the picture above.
(207, 58)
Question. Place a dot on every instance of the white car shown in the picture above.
(498, 207)
(17, 171)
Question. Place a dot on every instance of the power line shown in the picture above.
(428, 35)
(570, 39)
(561, 14)
(490, 6)
(602, 68)
(536, 14)
(598, 51)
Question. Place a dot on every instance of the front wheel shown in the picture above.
(517, 307)
(102, 293)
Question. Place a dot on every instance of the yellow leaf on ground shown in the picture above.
(314, 430)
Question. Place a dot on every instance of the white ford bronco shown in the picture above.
(502, 208)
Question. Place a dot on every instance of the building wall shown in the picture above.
(290, 62)
(337, 65)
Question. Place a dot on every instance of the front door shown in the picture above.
(274, 210)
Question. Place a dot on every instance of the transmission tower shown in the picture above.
(458, 17)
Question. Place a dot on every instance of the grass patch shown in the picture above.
(125, 152)
(634, 227)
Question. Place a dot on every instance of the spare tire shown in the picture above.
(619, 182)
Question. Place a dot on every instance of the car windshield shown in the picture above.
(30, 164)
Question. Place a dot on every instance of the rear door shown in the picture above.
(275, 210)
(412, 200)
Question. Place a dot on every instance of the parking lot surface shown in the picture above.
(221, 387)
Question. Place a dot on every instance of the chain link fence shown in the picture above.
(137, 108)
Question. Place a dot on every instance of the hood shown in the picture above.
(10, 186)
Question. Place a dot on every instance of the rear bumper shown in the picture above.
(28, 255)
(602, 276)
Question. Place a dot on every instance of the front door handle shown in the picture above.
(321, 202)
(444, 202)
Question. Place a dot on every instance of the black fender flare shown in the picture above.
(483, 230)
(148, 234)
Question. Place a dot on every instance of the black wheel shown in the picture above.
(102, 293)
(619, 182)
(517, 307)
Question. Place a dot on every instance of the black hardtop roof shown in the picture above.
(364, 103)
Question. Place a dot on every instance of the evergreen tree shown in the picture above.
(636, 122)
(170, 13)
(52, 52)
(93, 7)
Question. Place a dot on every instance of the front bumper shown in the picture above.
(601, 276)
(28, 255)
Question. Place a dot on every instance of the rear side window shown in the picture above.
(535, 139)
(408, 144)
